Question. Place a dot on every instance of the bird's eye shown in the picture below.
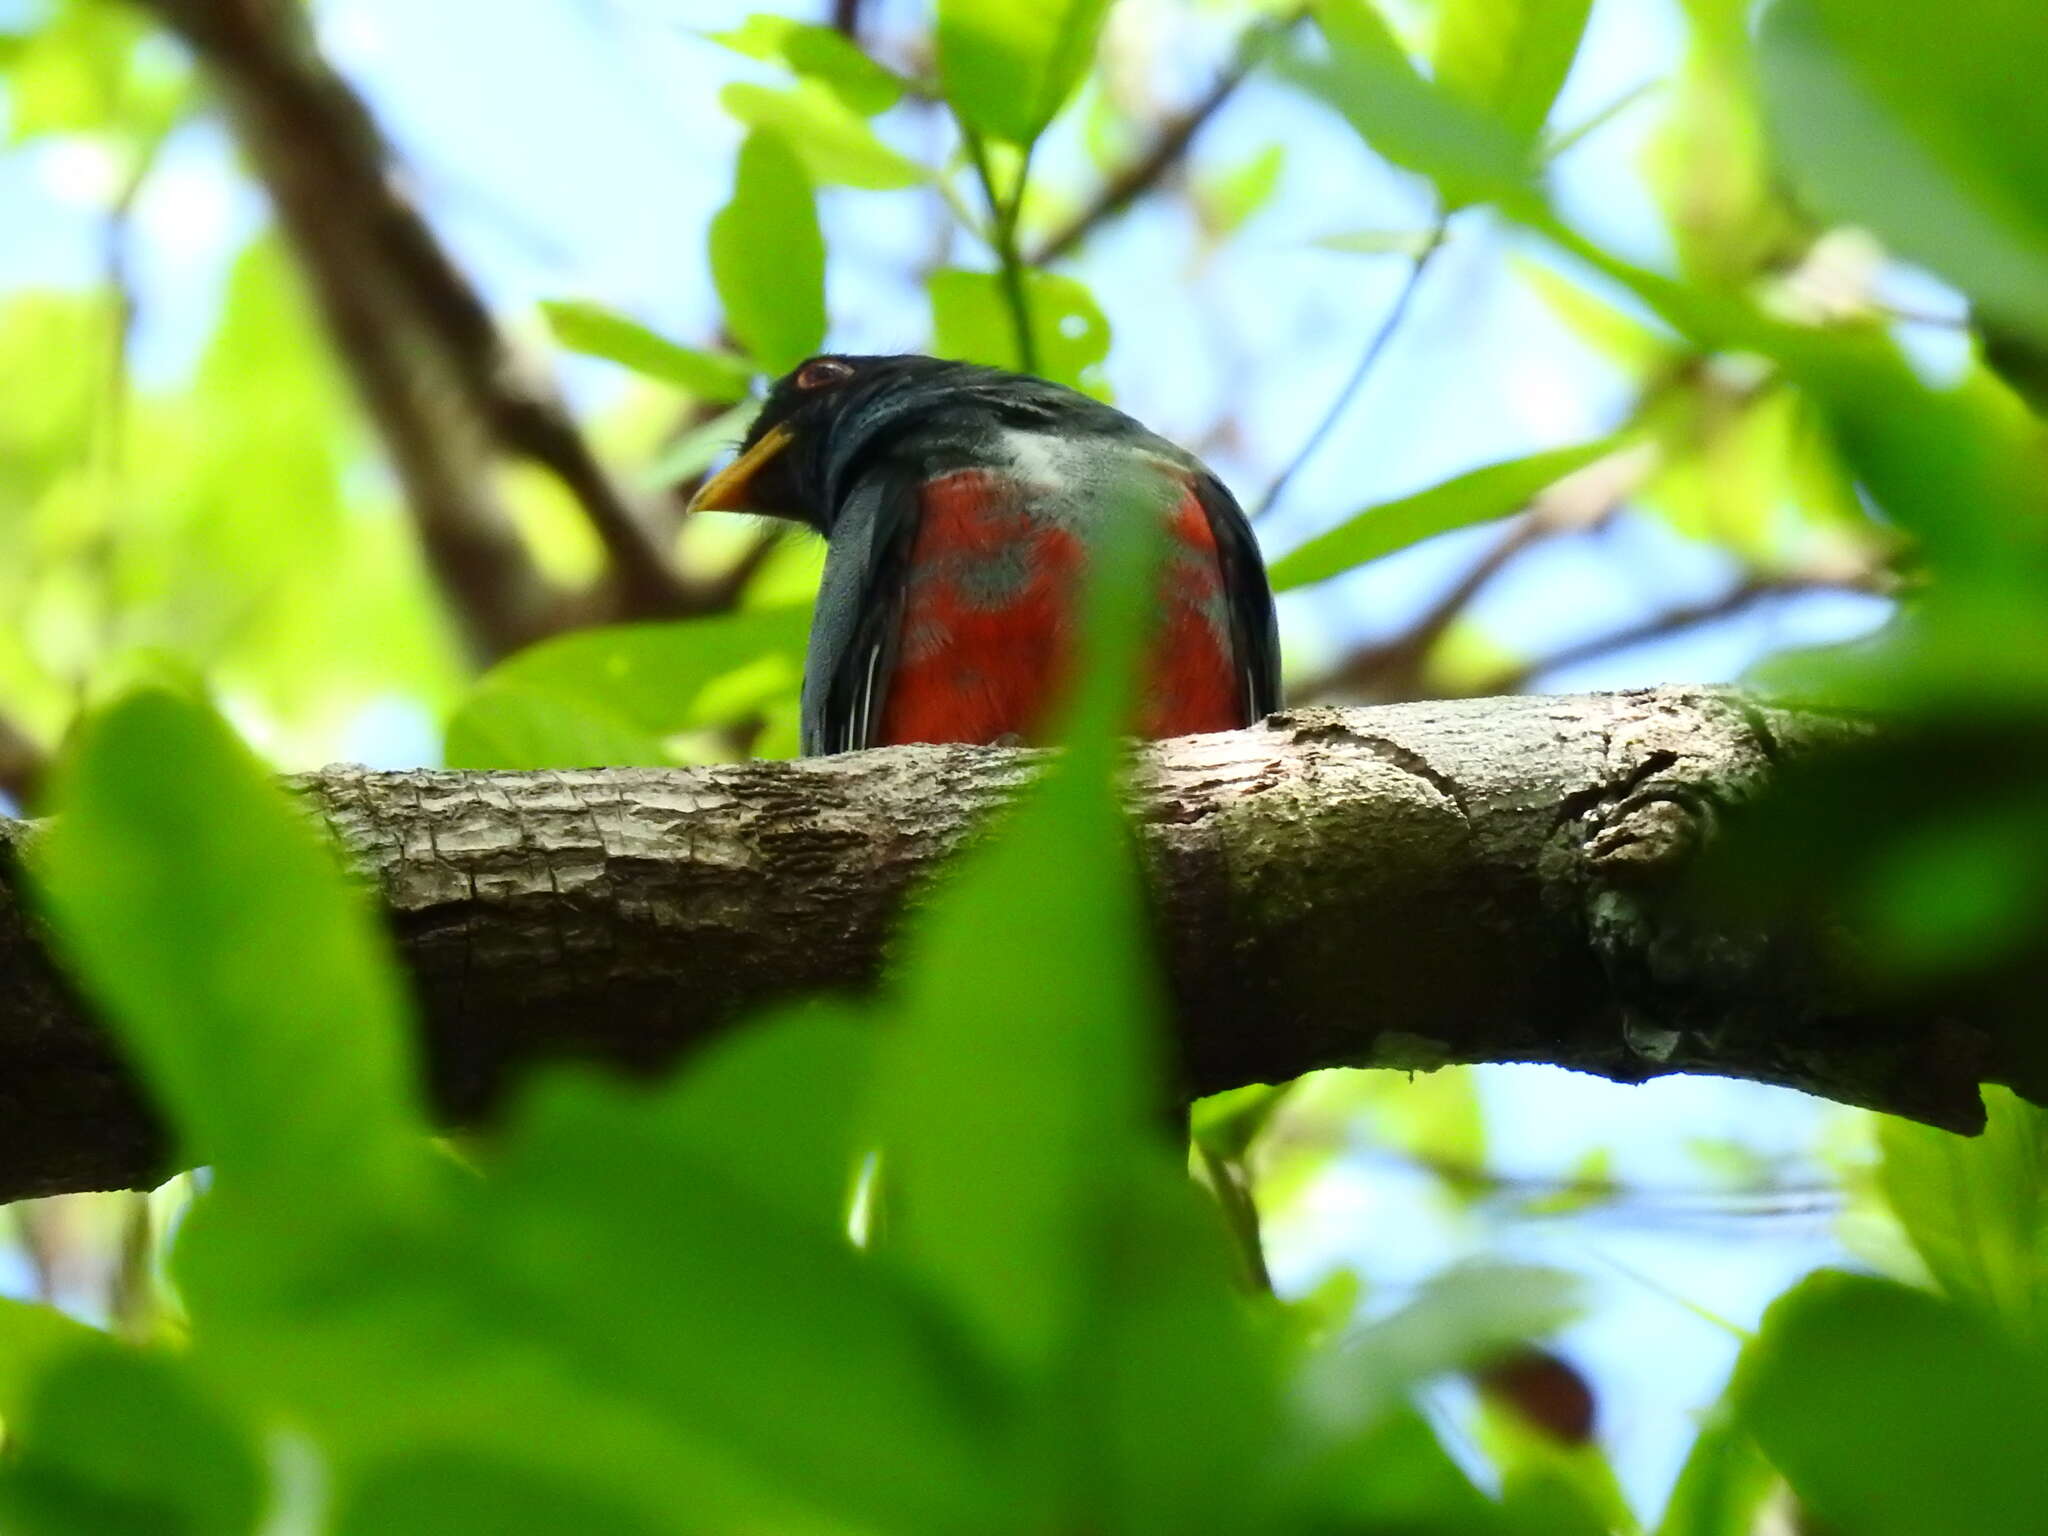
(823, 373)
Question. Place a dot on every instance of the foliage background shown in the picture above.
(183, 471)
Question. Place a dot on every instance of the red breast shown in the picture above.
(989, 620)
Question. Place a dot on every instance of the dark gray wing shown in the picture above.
(860, 604)
(1254, 632)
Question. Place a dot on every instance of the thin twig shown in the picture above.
(1659, 626)
(1170, 145)
(1003, 234)
(1368, 360)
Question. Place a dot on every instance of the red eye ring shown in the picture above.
(823, 373)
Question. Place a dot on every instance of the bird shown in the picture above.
(959, 503)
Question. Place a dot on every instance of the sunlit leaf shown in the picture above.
(590, 328)
(1478, 496)
(1926, 124)
(1006, 69)
(1232, 197)
(1509, 58)
(1976, 1208)
(971, 320)
(768, 257)
(1411, 121)
(836, 146)
(201, 911)
(608, 697)
(1894, 1413)
(821, 53)
(1722, 1487)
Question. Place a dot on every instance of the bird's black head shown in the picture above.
(828, 418)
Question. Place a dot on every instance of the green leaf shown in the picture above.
(835, 145)
(1006, 69)
(1509, 58)
(443, 1492)
(971, 321)
(31, 1338)
(1894, 1413)
(123, 1443)
(244, 971)
(1724, 1483)
(1014, 1093)
(768, 256)
(1414, 123)
(1976, 1208)
(820, 53)
(599, 332)
(1926, 124)
(1229, 199)
(607, 697)
(1478, 496)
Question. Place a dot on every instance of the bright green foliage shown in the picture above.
(1976, 1210)
(821, 54)
(1006, 68)
(591, 328)
(835, 145)
(767, 256)
(1478, 496)
(206, 917)
(615, 696)
(1928, 125)
(971, 321)
(1724, 1483)
(1509, 60)
(1895, 1413)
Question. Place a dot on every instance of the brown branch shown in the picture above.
(1411, 886)
(24, 764)
(1169, 145)
(426, 357)
(1672, 621)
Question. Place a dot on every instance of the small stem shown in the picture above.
(1374, 350)
(1004, 237)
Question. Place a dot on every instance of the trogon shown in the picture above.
(958, 504)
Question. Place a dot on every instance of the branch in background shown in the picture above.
(1672, 621)
(1375, 349)
(846, 19)
(1170, 147)
(1498, 880)
(435, 374)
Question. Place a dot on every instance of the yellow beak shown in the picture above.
(731, 488)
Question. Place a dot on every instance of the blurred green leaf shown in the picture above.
(1894, 1413)
(608, 697)
(201, 911)
(84, 69)
(1478, 496)
(1928, 125)
(768, 257)
(464, 1493)
(31, 1338)
(822, 54)
(1414, 123)
(1724, 1483)
(122, 1443)
(1976, 1208)
(837, 147)
(590, 328)
(1007, 69)
(1508, 58)
(971, 321)
(1378, 242)
(1394, 1475)
(1228, 199)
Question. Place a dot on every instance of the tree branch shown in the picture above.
(434, 373)
(1407, 886)
(1170, 146)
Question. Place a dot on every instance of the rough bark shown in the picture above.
(1473, 881)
